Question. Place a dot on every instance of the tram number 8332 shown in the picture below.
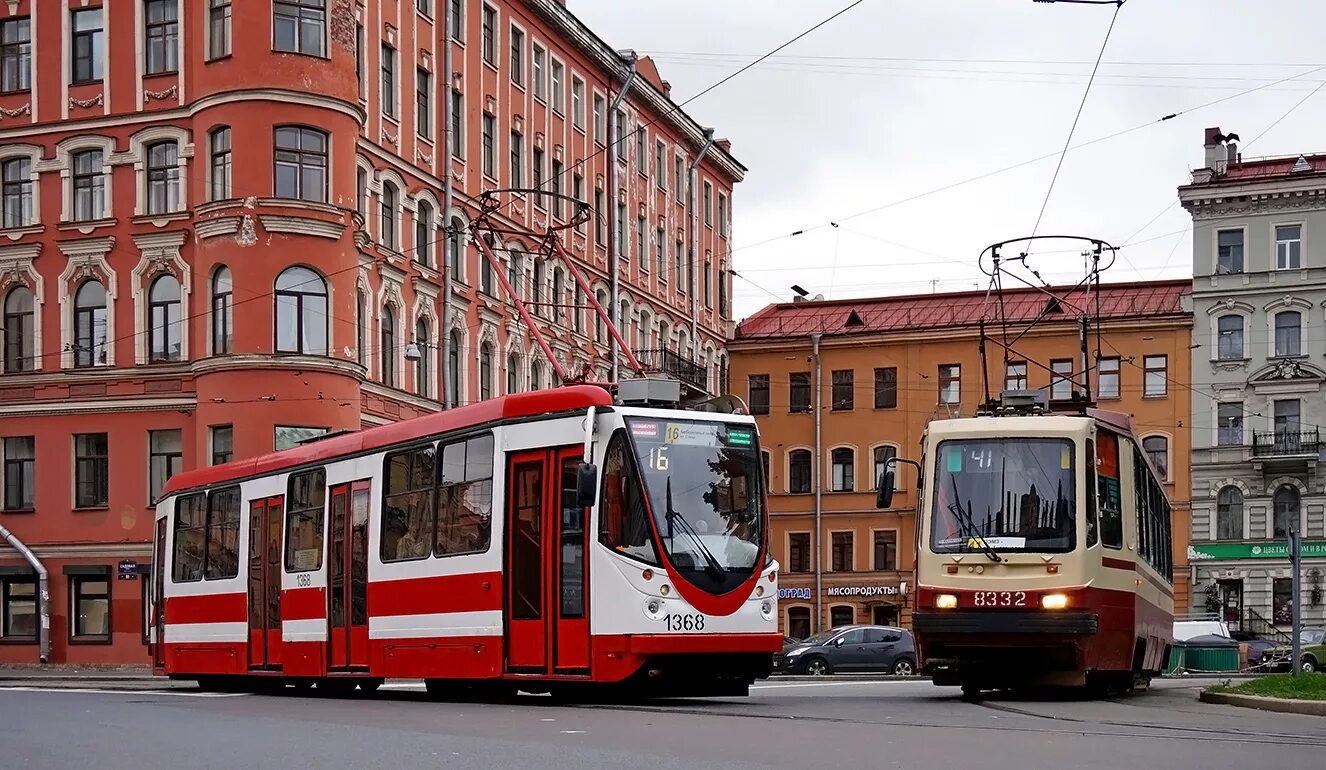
(1000, 599)
(684, 621)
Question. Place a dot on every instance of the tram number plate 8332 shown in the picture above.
(684, 621)
(1000, 599)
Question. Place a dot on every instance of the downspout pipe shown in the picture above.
(448, 193)
(614, 222)
(818, 481)
(695, 235)
(43, 593)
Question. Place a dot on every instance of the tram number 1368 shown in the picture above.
(684, 621)
(1000, 599)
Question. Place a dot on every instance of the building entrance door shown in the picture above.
(1231, 603)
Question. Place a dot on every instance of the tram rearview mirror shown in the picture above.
(884, 495)
(587, 481)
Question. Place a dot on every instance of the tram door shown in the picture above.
(265, 520)
(158, 596)
(347, 564)
(547, 618)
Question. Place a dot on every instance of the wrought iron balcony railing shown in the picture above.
(1283, 443)
(674, 365)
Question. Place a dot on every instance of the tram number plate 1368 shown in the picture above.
(684, 621)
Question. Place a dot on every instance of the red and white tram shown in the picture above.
(1043, 554)
(539, 541)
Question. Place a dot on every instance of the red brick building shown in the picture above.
(226, 224)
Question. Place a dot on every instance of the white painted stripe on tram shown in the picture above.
(314, 630)
(482, 623)
(195, 633)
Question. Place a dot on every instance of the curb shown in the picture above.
(1308, 707)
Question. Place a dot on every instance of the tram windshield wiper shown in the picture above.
(711, 563)
(968, 524)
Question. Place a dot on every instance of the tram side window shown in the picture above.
(408, 515)
(303, 521)
(1142, 499)
(190, 538)
(1108, 495)
(465, 497)
(1091, 485)
(223, 517)
(623, 518)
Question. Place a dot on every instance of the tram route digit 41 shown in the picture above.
(684, 621)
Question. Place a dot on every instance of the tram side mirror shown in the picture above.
(587, 484)
(884, 495)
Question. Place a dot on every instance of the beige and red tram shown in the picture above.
(538, 541)
(1043, 554)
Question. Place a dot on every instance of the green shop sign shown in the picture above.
(1210, 551)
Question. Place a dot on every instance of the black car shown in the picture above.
(850, 648)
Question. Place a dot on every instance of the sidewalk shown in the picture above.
(17, 672)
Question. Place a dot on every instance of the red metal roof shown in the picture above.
(1144, 299)
(1266, 168)
(566, 399)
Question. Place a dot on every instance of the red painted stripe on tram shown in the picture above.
(1122, 564)
(207, 608)
(474, 592)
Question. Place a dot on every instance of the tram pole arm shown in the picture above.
(496, 266)
(598, 308)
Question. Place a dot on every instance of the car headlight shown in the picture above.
(795, 652)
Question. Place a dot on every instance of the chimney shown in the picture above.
(725, 145)
(667, 89)
(1217, 156)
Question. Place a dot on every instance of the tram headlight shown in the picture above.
(945, 601)
(654, 608)
(1054, 601)
(766, 609)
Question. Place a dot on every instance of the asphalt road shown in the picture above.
(857, 725)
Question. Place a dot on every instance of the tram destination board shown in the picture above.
(706, 434)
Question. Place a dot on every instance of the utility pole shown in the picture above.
(1296, 591)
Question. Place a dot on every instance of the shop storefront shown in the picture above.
(1251, 584)
(841, 605)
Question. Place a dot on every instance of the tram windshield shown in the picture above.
(702, 480)
(1004, 494)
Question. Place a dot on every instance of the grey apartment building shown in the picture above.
(1259, 382)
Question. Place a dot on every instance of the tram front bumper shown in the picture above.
(1037, 623)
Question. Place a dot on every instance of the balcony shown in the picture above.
(670, 364)
(1282, 451)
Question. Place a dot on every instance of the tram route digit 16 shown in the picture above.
(684, 621)
(1000, 599)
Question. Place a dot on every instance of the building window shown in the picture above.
(165, 458)
(798, 552)
(1229, 514)
(423, 234)
(90, 319)
(798, 622)
(844, 394)
(1015, 375)
(423, 102)
(539, 180)
(91, 470)
(423, 370)
(17, 186)
(15, 55)
(517, 56)
(1157, 450)
(489, 150)
(842, 615)
(640, 255)
(163, 177)
(1288, 333)
(301, 312)
(20, 473)
(218, 28)
(223, 312)
(841, 551)
(1288, 247)
(619, 134)
(223, 444)
(678, 173)
(1155, 375)
(162, 36)
(758, 392)
(707, 204)
(489, 34)
(886, 387)
(457, 138)
(883, 458)
(1061, 382)
(621, 235)
(600, 128)
(1286, 503)
(300, 26)
(390, 203)
(798, 392)
(387, 346)
(456, 19)
(950, 383)
(1108, 378)
(600, 221)
(1282, 601)
(453, 368)
(485, 371)
(301, 164)
(578, 102)
(844, 464)
(517, 159)
(219, 143)
(798, 471)
(89, 597)
(1229, 252)
(288, 436)
(1229, 423)
(388, 81)
(538, 59)
(88, 47)
(1229, 331)
(89, 181)
(19, 332)
(512, 374)
(886, 550)
(163, 319)
(1285, 422)
(18, 609)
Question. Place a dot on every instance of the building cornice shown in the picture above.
(969, 331)
(401, 396)
(250, 362)
(100, 405)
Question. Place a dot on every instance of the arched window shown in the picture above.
(1288, 333)
(485, 371)
(487, 278)
(163, 177)
(558, 294)
(600, 329)
(20, 334)
(390, 200)
(1157, 449)
(163, 319)
(1230, 343)
(453, 368)
(642, 330)
(90, 320)
(361, 328)
(300, 164)
(1286, 503)
(535, 376)
(17, 187)
(578, 310)
(456, 254)
(842, 615)
(512, 374)
(513, 269)
(387, 346)
(422, 372)
(223, 311)
(882, 456)
(301, 312)
(423, 234)
(1229, 514)
(361, 193)
(219, 146)
(843, 462)
(538, 288)
(798, 471)
(798, 622)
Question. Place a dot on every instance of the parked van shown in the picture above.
(1188, 629)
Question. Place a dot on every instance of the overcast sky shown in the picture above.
(895, 99)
